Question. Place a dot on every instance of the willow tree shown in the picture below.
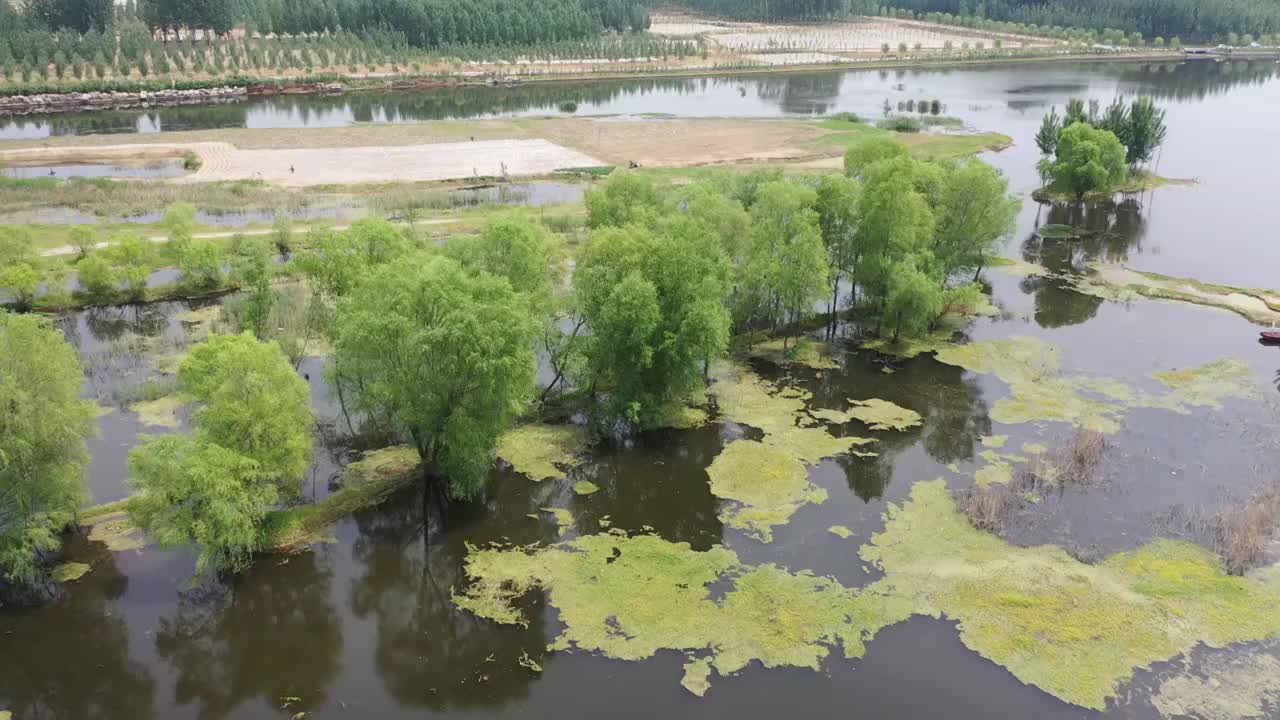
(444, 355)
(838, 220)
(974, 212)
(252, 444)
(787, 266)
(654, 302)
(42, 442)
(1088, 160)
(870, 150)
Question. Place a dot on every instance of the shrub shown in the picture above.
(907, 125)
(97, 278)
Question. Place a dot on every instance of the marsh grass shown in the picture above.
(992, 506)
(1241, 533)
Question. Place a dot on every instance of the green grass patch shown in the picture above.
(367, 484)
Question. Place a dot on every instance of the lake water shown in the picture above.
(365, 627)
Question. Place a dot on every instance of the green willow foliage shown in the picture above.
(43, 428)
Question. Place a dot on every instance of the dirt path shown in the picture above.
(161, 239)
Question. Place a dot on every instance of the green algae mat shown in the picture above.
(1074, 630)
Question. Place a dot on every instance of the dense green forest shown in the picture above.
(423, 23)
(1189, 19)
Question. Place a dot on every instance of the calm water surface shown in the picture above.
(364, 627)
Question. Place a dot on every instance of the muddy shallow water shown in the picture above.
(365, 626)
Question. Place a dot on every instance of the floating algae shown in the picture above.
(884, 415)
(1035, 448)
(697, 676)
(907, 348)
(766, 480)
(68, 572)
(745, 398)
(994, 441)
(1208, 385)
(1041, 392)
(538, 450)
(528, 662)
(806, 352)
(117, 533)
(1233, 688)
(766, 484)
(996, 472)
(161, 413)
(585, 487)
(681, 417)
(564, 518)
(1072, 629)
(629, 597)
(840, 531)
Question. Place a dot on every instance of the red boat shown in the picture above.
(1271, 336)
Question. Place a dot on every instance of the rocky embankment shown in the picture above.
(85, 101)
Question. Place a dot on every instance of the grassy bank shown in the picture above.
(1140, 181)
(366, 484)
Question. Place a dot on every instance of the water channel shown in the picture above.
(364, 626)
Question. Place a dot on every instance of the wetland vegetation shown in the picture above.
(740, 435)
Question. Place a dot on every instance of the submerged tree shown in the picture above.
(787, 266)
(1146, 131)
(974, 212)
(251, 446)
(1047, 135)
(43, 428)
(444, 355)
(1088, 160)
(655, 305)
(838, 218)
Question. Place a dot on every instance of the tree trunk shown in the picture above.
(978, 272)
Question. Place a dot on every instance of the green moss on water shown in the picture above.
(681, 417)
(1072, 629)
(630, 597)
(994, 441)
(527, 662)
(766, 481)
(542, 451)
(116, 532)
(840, 531)
(994, 473)
(1040, 391)
(802, 351)
(159, 413)
(765, 484)
(1035, 448)
(777, 411)
(907, 348)
(1075, 630)
(585, 487)
(697, 676)
(884, 415)
(1208, 385)
(69, 572)
(564, 519)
